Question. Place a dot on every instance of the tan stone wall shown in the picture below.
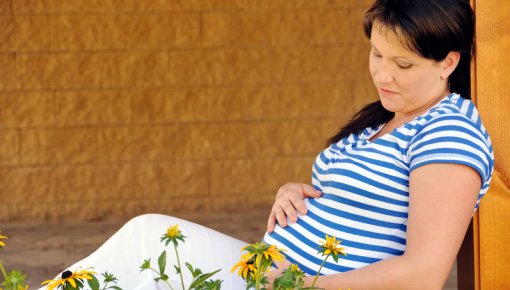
(115, 108)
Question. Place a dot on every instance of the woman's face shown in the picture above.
(408, 84)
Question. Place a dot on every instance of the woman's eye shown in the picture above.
(404, 65)
(376, 54)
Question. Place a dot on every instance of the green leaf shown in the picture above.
(190, 268)
(162, 262)
(335, 257)
(109, 277)
(146, 265)
(115, 287)
(16, 277)
(93, 283)
(177, 269)
(200, 279)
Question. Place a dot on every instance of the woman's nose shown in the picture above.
(383, 75)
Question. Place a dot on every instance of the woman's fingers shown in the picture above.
(310, 191)
(289, 201)
(271, 222)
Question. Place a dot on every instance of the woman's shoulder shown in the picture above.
(453, 111)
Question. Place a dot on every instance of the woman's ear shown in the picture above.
(449, 63)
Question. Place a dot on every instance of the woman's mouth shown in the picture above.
(386, 92)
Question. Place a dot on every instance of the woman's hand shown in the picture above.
(289, 199)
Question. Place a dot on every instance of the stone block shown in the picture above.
(316, 27)
(235, 5)
(217, 67)
(73, 184)
(58, 146)
(256, 66)
(241, 29)
(136, 143)
(10, 192)
(258, 176)
(5, 8)
(272, 173)
(8, 69)
(83, 6)
(330, 127)
(144, 69)
(264, 102)
(88, 32)
(150, 6)
(113, 182)
(160, 105)
(171, 180)
(67, 70)
(105, 107)
(49, 211)
(31, 33)
(35, 70)
(9, 212)
(307, 101)
(231, 177)
(161, 30)
(211, 141)
(188, 104)
(28, 185)
(7, 31)
(26, 109)
(30, 6)
(9, 147)
(109, 66)
(365, 93)
(267, 139)
(76, 71)
(53, 186)
(347, 62)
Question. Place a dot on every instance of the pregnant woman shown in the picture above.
(398, 184)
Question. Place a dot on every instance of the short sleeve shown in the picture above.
(452, 139)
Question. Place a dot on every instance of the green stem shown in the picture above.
(6, 277)
(259, 271)
(179, 264)
(320, 268)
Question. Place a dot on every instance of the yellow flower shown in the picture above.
(246, 265)
(294, 268)
(69, 277)
(275, 253)
(2, 244)
(22, 288)
(173, 232)
(330, 246)
(174, 235)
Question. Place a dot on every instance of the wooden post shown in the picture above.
(484, 259)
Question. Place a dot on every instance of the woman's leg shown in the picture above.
(139, 239)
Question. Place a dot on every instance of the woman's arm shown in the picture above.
(442, 200)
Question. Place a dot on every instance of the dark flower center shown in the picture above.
(66, 274)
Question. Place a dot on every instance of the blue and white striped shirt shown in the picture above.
(365, 185)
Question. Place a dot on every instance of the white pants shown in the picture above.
(139, 239)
